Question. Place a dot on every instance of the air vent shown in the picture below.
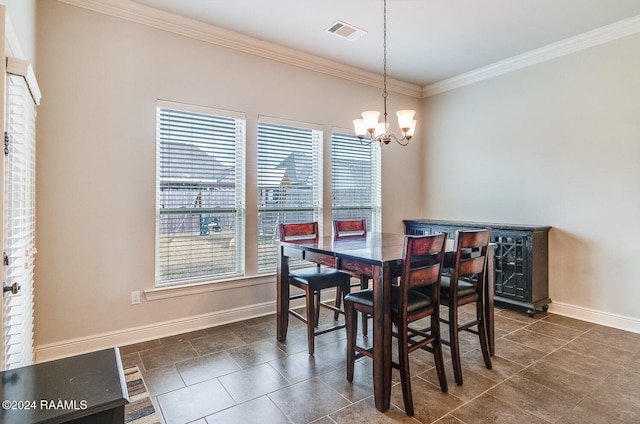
(344, 30)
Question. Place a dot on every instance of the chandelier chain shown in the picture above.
(384, 44)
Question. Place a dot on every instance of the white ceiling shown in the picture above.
(428, 40)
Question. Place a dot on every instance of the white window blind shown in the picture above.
(355, 180)
(200, 194)
(289, 181)
(19, 219)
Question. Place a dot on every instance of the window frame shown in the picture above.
(312, 211)
(339, 135)
(239, 193)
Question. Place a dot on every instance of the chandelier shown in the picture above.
(377, 131)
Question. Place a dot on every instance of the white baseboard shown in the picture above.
(595, 316)
(154, 331)
(143, 333)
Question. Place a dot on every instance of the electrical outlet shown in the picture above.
(135, 297)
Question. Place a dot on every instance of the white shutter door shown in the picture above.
(19, 223)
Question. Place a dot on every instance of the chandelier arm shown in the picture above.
(367, 141)
(399, 140)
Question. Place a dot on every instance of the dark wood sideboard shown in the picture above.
(521, 258)
(83, 389)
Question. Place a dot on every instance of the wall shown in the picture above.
(554, 144)
(100, 77)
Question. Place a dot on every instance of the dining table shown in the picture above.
(378, 255)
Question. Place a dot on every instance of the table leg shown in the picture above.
(382, 337)
(282, 295)
(488, 303)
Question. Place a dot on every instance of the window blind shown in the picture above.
(289, 181)
(355, 180)
(200, 194)
(19, 218)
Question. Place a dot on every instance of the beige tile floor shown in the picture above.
(549, 369)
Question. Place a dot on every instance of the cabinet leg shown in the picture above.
(531, 313)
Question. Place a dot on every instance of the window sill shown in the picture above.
(159, 293)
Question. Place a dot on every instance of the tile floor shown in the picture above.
(549, 369)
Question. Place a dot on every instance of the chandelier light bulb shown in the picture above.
(412, 130)
(380, 129)
(360, 127)
(370, 118)
(405, 119)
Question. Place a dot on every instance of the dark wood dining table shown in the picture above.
(378, 255)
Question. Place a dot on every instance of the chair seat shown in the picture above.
(319, 278)
(464, 288)
(416, 300)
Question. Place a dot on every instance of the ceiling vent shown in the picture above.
(344, 30)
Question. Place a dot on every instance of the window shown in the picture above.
(200, 194)
(289, 181)
(355, 180)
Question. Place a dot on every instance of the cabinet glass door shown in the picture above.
(510, 266)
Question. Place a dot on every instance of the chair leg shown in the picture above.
(455, 343)
(352, 329)
(403, 359)
(339, 296)
(482, 332)
(311, 319)
(437, 352)
(364, 284)
(316, 316)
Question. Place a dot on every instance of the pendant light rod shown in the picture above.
(369, 123)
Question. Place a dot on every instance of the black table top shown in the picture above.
(64, 389)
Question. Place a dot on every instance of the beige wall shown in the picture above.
(554, 144)
(100, 77)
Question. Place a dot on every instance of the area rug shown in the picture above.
(140, 409)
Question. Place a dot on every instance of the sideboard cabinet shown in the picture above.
(521, 258)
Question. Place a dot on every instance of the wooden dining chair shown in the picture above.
(422, 265)
(352, 229)
(467, 284)
(312, 280)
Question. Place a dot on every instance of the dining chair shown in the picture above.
(352, 229)
(312, 280)
(466, 284)
(421, 267)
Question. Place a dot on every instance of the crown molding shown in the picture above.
(570, 45)
(159, 19)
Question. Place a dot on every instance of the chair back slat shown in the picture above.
(471, 258)
(471, 266)
(423, 276)
(422, 261)
(298, 231)
(349, 228)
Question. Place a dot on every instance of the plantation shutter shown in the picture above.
(355, 180)
(200, 196)
(19, 213)
(289, 181)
